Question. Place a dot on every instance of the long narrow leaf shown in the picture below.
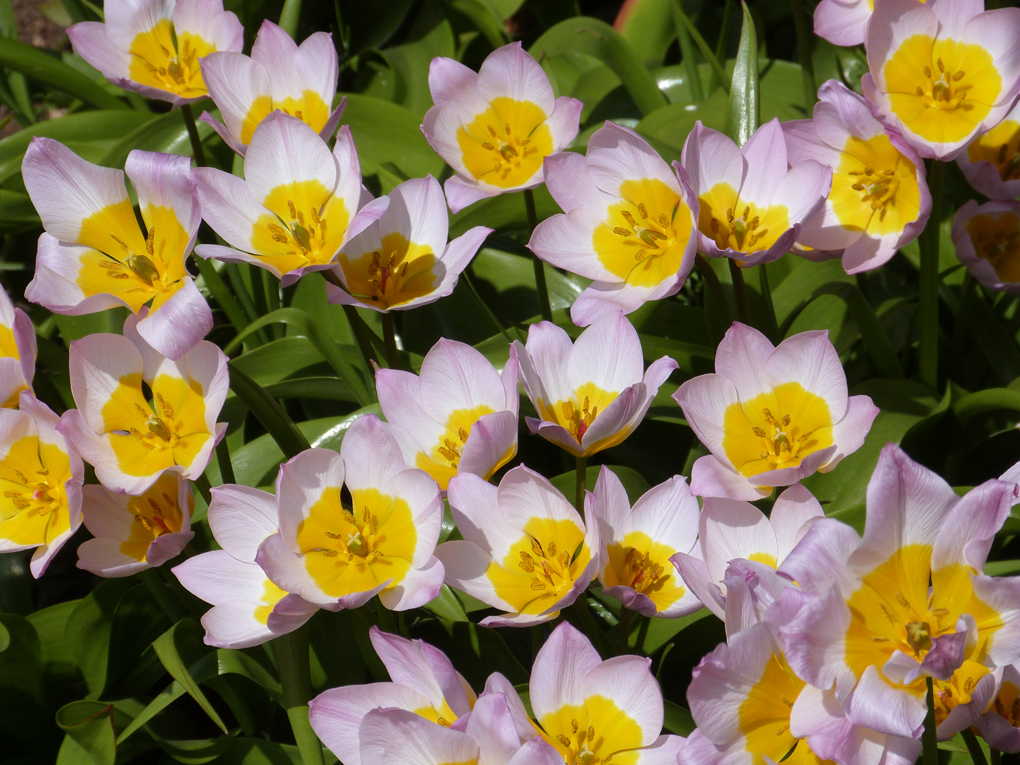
(168, 648)
(742, 116)
(269, 412)
(49, 70)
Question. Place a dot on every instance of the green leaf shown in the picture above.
(5, 638)
(185, 637)
(49, 70)
(673, 123)
(55, 658)
(648, 26)
(25, 725)
(743, 114)
(430, 35)
(678, 720)
(166, 133)
(661, 631)
(982, 402)
(269, 412)
(483, 16)
(447, 606)
(633, 482)
(254, 751)
(89, 628)
(91, 732)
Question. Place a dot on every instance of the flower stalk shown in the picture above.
(291, 653)
(541, 287)
(928, 302)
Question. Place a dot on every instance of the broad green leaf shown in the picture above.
(389, 135)
(5, 638)
(678, 719)
(199, 752)
(255, 751)
(483, 16)
(166, 133)
(55, 657)
(185, 637)
(701, 631)
(25, 725)
(89, 628)
(49, 70)
(372, 24)
(648, 26)
(742, 116)
(983, 402)
(673, 123)
(15, 583)
(269, 413)
(91, 732)
(447, 606)
(430, 35)
(633, 482)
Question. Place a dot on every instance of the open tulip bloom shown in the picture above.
(987, 239)
(879, 199)
(402, 259)
(751, 204)
(94, 256)
(771, 416)
(247, 608)
(628, 222)
(942, 73)
(458, 416)
(295, 205)
(999, 724)
(496, 127)
(843, 22)
(41, 476)
(525, 551)
(991, 162)
(279, 76)
(127, 438)
(153, 47)
(17, 352)
(592, 394)
(382, 545)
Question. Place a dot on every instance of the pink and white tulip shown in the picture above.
(94, 256)
(752, 205)
(496, 127)
(629, 222)
(771, 416)
(401, 259)
(17, 352)
(843, 22)
(987, 239)
(999, 724)
(590, 395)
(991, 162)
(278, 76)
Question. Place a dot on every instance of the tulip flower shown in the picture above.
(987, 239)
(881, 629)
(638, 543)
(278, 76)
(771, 416)
(295, 206)
(628, 222)
(127, 438)
(495, 128)
(402, 259)
(153, 47)
(382, 545)
(991, 162)
(592, 710)
(525, 550)
(136, 533)
(879, 199)
(94, 256)
(999, 726)
(942, 73)
(843, 22)
(458, 416)
(17, 352)
(423, 682)
(41, 475)
(248, 609)
(590, 395)
(751, 204)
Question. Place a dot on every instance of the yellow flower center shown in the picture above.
(764, 715)
(643, 565)
(271, 595)
(444, 458)
(1001, 147)
(958, 689)
(33, 475)
(578, 413)
(874, 187)
(165, 58)
(997, 240)
(398, 272)
(156, 512)
(1007, 703)
(309, 108)
(506, 144)
(738, 225)
(594, 732)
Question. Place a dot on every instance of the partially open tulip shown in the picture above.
(382, 544)
(628, 222)
(247, 608)
(153, 47)
(592, 394)
(458, 416)
(771, 416)
(638, 543)
(94, 255)
(41, 476)
(751, 204)
(987, 239)
(496, 127)
(17, 352)
(843, 22)
(991, 162)
(999, 725)
(879, 199)
(402, 259)
(943, 72)
(129, 439)
(295, 205)
(525, 551)
(278, 76)
(136, 533)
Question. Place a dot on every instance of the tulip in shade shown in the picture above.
(629, 223)
(525, 550)
(279, 76)
(771, 416)
(248, 609)
(991, 162)
(128, 439)
(423, 682)
(458, 416)
(943, 72)
(590, 395)
(17, 352)
(153, 47)
(843, 22)
(987, 239)
(136, 533)
(94, 255)
(1000, 724)
(339, 557)
(751, 204)
(402, 259)
(638, 542)
(496, 127)
(41, 476)
(879, 199)
(295, 206)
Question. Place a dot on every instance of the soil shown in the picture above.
(35, 29)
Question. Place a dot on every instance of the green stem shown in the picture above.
(154, 583)
(928, 303)
(588, 625)
(804, 40)
(715, 287)
(772, 326)
(929, 738)
(623, 647)
(390, 338)
(740, 292)
(470, 282)
(289, 17)
(968, 294)
(386, 621)
(544, 306)
(221, 293)
(196, 142)
(710, 57)
(996, 756)
(223, 460)
(690, 60)
(720, 44)
(580, 484)
(291, 652)
(973, 746)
